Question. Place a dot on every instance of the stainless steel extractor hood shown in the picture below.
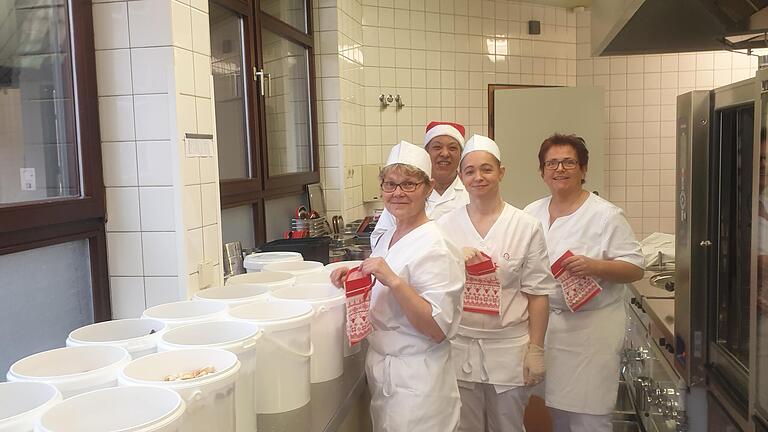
(623, 27)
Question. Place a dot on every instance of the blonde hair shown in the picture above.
(404, 169)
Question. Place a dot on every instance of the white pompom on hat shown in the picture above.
(409, 154)
(436, 128)
(480, 142)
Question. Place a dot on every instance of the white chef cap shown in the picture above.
(479, 142)
(407, 153)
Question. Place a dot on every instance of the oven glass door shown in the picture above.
(732, 216)
(761, 404)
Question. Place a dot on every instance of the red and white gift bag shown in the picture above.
(577, 290)
(482, 289)
(358, 291)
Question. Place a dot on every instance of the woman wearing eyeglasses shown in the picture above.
(415, 305)
(583, 347)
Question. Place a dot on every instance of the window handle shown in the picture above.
(261, 76)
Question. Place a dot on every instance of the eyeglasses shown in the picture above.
(406, 186)
(568, 164)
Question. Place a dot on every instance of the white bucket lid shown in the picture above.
(72, 368)
(295, 268)
(314, 294)
(181, 312)
(349, 264)
(133, 334)
(256, 261)
(153, 368)
(234, 293)
(233, 336)
(22, 403)
(266, 278)
(275, 315)
(123, 409)
(321, 277)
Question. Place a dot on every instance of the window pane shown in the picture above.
(288, 121)
(38, 151)
(237, 225)
(46, 294)
(227, 60)
(292, 12)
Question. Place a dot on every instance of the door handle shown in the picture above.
(263, 77)
(705, 243)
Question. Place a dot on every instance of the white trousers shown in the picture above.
(566, 421)
(482, 409)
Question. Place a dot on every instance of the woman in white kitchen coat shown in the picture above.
(443, 141)
(583, 347)
(497, 353)
(415, 306)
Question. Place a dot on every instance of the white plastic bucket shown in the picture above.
(321, 277)
(283, 353)
(272, 280)
(349, 264)
(327, 326)
(118, 409)
(73, 370)
(237, 337)
(235, 295)
(138, 336)
(256, 261)
(187, 312)
(210, 399)
(296, 268)
(22, 403)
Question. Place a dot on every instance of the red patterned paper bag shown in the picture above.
(482, 289)
(577, 290)
(358, 292)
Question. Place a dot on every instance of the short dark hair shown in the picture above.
(557, 139)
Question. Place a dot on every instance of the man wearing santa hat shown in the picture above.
(444, 142)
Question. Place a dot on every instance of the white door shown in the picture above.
(524, 117)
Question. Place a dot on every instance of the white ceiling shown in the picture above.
(562, 3)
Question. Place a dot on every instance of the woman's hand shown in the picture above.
(379, 268)
(579, 265)
(471, 254)
(337, 276)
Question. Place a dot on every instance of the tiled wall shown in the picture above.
(440, 56)
(153, 77)
(641, 94)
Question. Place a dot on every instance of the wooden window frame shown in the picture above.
(261, 186)
(35, 224)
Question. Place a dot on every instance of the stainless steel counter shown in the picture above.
(331, 402)
(644, 289)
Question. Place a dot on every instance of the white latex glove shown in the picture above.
(533, 365)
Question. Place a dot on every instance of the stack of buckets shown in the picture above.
(251, 347)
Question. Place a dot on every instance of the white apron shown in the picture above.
(582, 348)
(412, 387)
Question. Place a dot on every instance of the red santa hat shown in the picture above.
(453, 130)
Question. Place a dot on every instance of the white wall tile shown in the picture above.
(161, 290)
(194, 249)
(181, 17)
(124, 252)
(113, 72)
(155, 161)
(201, 37)
(211, 243)
(193, 212)
(157, 208)
(119, 163)
(184, 67)
(127, 297)
(116, 118)
(202, 68)
(160, 254)
(210, 203)
(204, 115)
(152, 70)
(152, 117)
(110, 25)
(186, 114)
(149, 23)
(201, 5)
(122, 209)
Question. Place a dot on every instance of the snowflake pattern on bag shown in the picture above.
(577, 290)
(482, 289)
(358, 304)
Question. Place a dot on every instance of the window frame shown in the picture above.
(35, 224)
(260, 186)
